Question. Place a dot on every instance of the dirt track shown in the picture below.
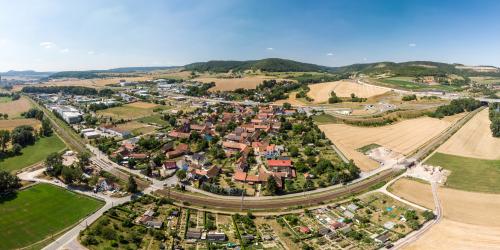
(279, 203)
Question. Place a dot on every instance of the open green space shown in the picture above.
(365, 149)
(5, 99)
(324, 119)
(33, 153)
(469, 174)
(40, 211)
(404, 83)
(154, 119)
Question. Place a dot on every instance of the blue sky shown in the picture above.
(96, 34)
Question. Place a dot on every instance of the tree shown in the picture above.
(46, 129)
(70, 174)
(8, 182)
(181, 174)
(132, 185)
(23, 135)
(287, 105)
(294, 151)
(5, 116)
(84, 159)
(4, 138)
(16, 148)
(271, 186)
(334, 98)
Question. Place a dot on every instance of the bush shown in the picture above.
(407, 98)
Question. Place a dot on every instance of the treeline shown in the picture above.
(69, 90)
(21, 137)
(456, 106)
(200, 90)
(307, 78)
(335, 99)
(495, 119)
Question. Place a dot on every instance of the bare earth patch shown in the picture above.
(11, 124)
(15, 108)
(321, 92)
(474, 139)
(402, 137)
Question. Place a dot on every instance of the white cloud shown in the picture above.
(365, 59)
(412, 45)
(65, 50)
(91, 52)
(329, 54)
(270, 48)
(47, 45)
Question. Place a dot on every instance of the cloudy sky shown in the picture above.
(75, 35)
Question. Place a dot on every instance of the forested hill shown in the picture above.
(419, 68)
(267, 65)
(413, 68)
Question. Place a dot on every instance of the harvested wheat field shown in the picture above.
(413, 191)
(15, 108)
(91, 83)
(402, 137)
(229, 84)
(474, 139)
(11, 124)
(321, 92)
(292, 99)
(471, 220)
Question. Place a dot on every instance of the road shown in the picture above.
(438, 211)
(72, 234)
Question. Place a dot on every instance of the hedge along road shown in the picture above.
(280, 203)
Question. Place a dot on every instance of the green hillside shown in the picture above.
(267, 65)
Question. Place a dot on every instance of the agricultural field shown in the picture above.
(136, 128)
(471, 220)
(154, 119)
(12, 123)
(129, 111)
(414, 191)
(97, 83)
(320, 92)
(52, 209)
(407, 83)
(33, 154)
(402, 137)
(485, 80)
(14, 108)
(474, 139)
(469, 174)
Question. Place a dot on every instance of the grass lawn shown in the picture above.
(5, 99)
(324, 119)
(40, 211)
(469, 174)
(156, 119)
(33, 154)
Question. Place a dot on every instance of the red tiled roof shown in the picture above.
(279, 163)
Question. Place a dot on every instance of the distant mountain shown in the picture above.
(88, 74)
(26, 73)
(267, 65)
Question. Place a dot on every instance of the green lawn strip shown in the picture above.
(4, 99)
(156, 119)
(39, 212)
(469, 174)
(325, 119)
(367, 148)
(33, 153)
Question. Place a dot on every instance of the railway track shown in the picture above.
(278, 203)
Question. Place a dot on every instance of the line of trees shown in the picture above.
(456, 106)
(68, 90)
(495, 119)
(21, 137)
